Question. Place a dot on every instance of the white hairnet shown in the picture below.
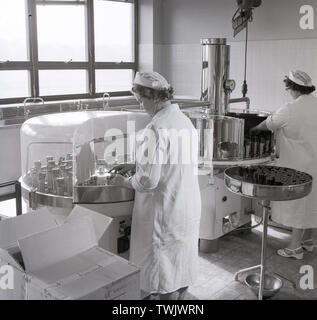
(151, 80)
(301, 78)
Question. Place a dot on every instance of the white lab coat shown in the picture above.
(166, 215)
(296, 128)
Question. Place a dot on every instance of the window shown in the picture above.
(14, 84)
(61, 33)
(113, 36)
(113, 80)
(13, 31)
(57, 82)
(66, 49)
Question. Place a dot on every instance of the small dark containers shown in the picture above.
(262, 178)
(254, 148)
(262, 145)
(271, 181)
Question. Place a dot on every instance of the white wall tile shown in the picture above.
(268, 63)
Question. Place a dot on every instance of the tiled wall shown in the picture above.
(268, 62)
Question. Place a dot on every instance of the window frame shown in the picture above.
(34, 65)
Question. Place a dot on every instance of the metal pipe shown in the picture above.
(27, 112)
(265, 207)
(106, 105)
(244, 99)
(17, 194)
(18, 198)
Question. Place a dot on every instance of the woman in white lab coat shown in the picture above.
(166, 214)
(296, 131)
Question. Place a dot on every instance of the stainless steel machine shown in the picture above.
(233, 144)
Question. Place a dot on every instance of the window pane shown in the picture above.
(13, 30)
(14, 84)
(60, 0)
(61, 32)
(59, 82)
(113, 80)
(114, 31)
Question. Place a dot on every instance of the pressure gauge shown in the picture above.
(229, 85)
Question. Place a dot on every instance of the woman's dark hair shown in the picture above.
(296, 87)
(161, 94)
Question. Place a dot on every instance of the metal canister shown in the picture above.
(253, 145)
(271, 142)
(262, 146)
(267, 143)
(257, 146)
(247, 148)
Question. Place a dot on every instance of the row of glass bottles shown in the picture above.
(53, 177)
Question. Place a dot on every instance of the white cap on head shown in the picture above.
(151, 80)
(301, 78)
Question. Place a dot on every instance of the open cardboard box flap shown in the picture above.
(100, 221)
(18, 227)
(66, 250)
(8, 258)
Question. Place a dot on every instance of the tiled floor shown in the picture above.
(238, 251)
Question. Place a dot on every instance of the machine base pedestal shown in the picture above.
(243, 229)
(208, 246)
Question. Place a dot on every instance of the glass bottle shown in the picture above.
(60, 186)
(41, 187)
(55, 172)
(49, 179)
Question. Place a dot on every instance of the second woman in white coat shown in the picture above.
(296, 131)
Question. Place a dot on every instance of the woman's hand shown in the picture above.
(120, 181)
(255, 130)
(124, 168)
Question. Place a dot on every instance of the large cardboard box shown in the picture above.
(11, 230)
(64, 261)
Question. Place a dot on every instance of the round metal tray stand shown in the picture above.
(238, 184)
